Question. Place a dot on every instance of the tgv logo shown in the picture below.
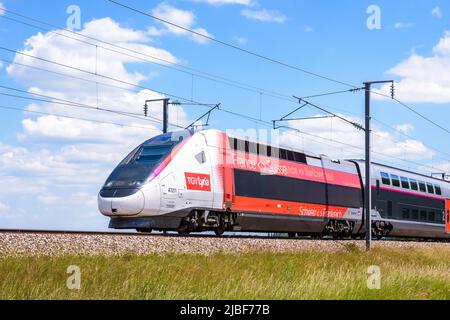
(198, 181)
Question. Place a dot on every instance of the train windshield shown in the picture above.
(137, 167)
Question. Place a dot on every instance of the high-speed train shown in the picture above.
(208, 181)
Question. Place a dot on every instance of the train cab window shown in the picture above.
(438, 190)
(414, 185)
(423, 215)
(385, 178)
(430, 188)
(395, 180)
(405, 182)
(405, 213)
(422, 186)
(415, 214)
(431, 216)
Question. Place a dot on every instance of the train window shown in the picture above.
(283, 154)
(300, 157)
(290, 155)
(430, 188)
(262, 149)
(275, 153)
(385, 178)
(431, 216)
(405, 213)
(438, 190)
(422, 186)
(423, 215)
(395, 180)
(405, 182)
(252, 148)
(240, 145)
(415, 214)
(414, 184)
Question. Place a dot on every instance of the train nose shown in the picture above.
(121, 202)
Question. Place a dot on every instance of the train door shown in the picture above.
(447, 215)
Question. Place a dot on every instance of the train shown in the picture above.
(195, 181)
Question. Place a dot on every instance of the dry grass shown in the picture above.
(406, 274)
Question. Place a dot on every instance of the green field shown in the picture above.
(405, 274)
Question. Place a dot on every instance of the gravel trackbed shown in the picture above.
(56, 244)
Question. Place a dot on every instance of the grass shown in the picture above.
(406, 274)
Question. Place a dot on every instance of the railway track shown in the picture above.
(196, 235)
(28, 242)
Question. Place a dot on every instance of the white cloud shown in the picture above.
(49, 199)
(1, 65)
(61, 163)
(3, 207)
(264, 15)
(224, 2)
(184, 18)
(424, 78)
(437, 12)
(403, 25)
(404, 128)
(2, 7)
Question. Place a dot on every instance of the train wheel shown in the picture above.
(292, 234)
(219, 231)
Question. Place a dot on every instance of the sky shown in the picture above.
(59, 139)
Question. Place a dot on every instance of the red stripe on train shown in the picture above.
(273, 166)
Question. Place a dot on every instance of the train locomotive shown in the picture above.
(208, 181)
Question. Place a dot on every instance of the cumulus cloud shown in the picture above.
(437, 12)
(184, 18)
(264, 15)
(424, 78)
(62, 162)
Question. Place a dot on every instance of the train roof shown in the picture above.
(404, 170)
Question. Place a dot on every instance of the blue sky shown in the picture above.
(52, 167)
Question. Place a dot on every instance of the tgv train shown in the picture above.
(208, 181)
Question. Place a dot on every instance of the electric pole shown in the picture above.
(165, 111)
(368, 184)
